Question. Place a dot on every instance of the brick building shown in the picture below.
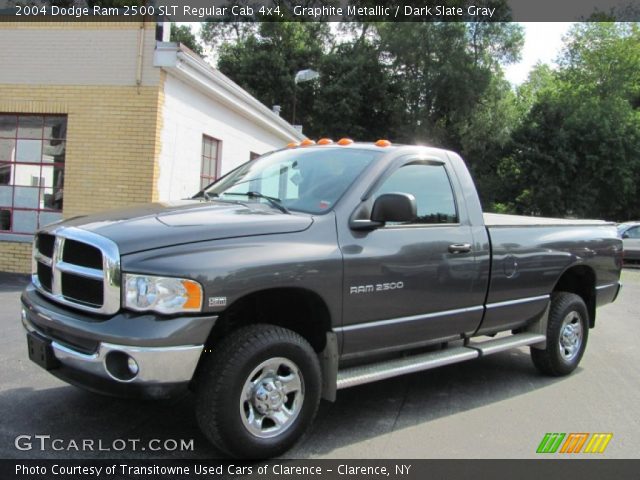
(102, 115)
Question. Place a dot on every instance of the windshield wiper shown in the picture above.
(274, 202)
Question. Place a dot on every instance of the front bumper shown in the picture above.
(90, 351)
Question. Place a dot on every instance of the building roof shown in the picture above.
(179, 61)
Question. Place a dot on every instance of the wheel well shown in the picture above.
(580, 280)
(297, 309)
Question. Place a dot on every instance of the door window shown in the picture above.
(633, 232)
(431, 187)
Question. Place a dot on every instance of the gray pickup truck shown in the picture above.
(309, 270)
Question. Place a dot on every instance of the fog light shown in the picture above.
(121, 366)
(133, 366)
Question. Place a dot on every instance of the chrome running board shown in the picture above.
(506, 343)
(350, 377)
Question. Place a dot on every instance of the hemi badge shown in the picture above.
(217, 301)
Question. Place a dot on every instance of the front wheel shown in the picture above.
(259, 391)
(567, 333)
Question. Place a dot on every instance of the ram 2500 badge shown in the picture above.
(312, 269)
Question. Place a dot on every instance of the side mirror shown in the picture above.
(625, 235)
(394, 207)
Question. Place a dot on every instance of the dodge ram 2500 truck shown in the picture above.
(309, 270)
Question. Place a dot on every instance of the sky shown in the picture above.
(542, 44)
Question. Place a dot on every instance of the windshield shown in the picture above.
(309, 180)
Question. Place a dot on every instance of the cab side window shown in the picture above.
(430, 185)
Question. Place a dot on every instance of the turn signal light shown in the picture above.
(325, 141)
(307, 142)
(194, 295)
(345, 141)
(383, 143)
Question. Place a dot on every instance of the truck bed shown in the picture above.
(530, 254)
(501, 220)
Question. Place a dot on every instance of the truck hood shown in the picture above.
(157, 225)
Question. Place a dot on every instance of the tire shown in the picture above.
(258, 392)
(569, 315)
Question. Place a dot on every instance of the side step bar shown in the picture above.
(506, 343)
(350, 377)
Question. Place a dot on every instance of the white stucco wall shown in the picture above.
(189, 114)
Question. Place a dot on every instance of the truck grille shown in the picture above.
(45, 244)
(44, 275)
(78, 268)
(78, 253)
(87, 291)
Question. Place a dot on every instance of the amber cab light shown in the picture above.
(345, 141)
(307, 142)
(325, 141)
(383, 143)
(292, 145)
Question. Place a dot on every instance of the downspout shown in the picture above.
(140, 56)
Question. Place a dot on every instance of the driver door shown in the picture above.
(411, 283)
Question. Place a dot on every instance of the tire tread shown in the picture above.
(545, 360)
(218, 369)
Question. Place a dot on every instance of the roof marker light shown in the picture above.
(325, 141)
(345, 141)
(292, 145)
(382, 143)
(307, 142)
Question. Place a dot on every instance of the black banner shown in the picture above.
(322, 10)
(321, 469)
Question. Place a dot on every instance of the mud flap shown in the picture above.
(540, 326)
(329, 362)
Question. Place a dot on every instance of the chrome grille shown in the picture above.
(45, 243)
(78, 268)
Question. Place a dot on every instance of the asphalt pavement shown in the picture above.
(496, 407)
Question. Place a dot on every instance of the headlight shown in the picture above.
(161, 294)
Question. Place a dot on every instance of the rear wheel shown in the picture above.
(567, 333)
(259, 391)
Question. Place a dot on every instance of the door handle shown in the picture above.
(460, 248)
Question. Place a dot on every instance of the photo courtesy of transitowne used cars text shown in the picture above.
(314, 268)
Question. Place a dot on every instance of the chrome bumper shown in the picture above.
(155, 365)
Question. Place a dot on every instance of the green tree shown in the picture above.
(411, 82)
(485, 135)
(184, 35)
(453, 92)
(603, 59)
(444, 71)
(356, 97)
(577, 149)
(435, 83)
(266, 62)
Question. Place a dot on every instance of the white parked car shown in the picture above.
(630, 234)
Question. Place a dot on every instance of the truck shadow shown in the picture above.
(13, 282)
(359, 414)
(368, 411)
